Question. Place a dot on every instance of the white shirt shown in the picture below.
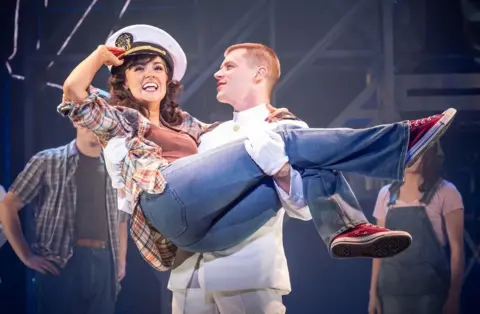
(3, 239)
(259, 262)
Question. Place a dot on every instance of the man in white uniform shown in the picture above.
(250, 277)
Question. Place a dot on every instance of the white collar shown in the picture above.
(252, 115)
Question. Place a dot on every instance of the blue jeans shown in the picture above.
(333, 205)
(87, 285)
(216, 199)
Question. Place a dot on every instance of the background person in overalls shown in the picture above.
(420, 279)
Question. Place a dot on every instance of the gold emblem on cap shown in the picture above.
(236, 127)
(124, 41)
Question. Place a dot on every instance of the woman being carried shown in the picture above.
(203, 202)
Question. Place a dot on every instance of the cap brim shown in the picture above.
(142, 50)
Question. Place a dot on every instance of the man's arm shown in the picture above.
(293, 201)
(9, 209)
(23, 190)
(283, 178)
(289, 182)
(123, 239)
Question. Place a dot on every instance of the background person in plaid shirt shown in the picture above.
(76, 249)
(214, 200)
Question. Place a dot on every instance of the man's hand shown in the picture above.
(283, 172)
(122, 250)
(13, 231)
(121, 270)
(277, 114)
(283, 178)
(41, 264)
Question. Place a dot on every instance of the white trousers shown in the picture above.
(198, 301)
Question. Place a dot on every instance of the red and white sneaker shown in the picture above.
(367, 240)
(425, 132)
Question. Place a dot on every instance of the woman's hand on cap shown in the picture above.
(108, 55)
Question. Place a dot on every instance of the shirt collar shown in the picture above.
(72, 149)
(252, 115)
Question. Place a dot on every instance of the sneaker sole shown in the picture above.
(379, 245)
(431, 137)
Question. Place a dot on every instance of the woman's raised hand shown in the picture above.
(109, 55)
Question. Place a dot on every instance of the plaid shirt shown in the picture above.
(141, 167)
(48, 181)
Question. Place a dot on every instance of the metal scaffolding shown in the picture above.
(383, 72)
(379, 78)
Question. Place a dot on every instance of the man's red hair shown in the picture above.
(262, 55)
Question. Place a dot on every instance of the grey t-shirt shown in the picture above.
(91, 209)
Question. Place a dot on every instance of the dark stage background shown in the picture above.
(349, 63)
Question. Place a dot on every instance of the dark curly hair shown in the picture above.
(121, 96)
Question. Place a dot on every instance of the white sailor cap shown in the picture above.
(147, 39)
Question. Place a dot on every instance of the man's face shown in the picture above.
(235, 79)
